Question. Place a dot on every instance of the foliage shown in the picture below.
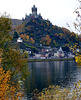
(13, 65)
(78, 59)
(15, 62)
(25, 54)
(8, 91)
(78, 18)
(15, 36)
(42, 31)
(78, 28)
(57, 93)
(5, 26)
(46, 40)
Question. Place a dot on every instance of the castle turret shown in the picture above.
(34, 11)
(32, 15)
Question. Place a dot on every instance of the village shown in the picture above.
(48, 52)
(51, 53)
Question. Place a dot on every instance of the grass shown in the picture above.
(40, 60)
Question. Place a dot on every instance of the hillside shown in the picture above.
(39, 31)
(16, 22)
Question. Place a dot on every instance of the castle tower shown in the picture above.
(34, 11)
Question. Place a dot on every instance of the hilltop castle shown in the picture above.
(32, 15)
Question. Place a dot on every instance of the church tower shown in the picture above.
(34, 11)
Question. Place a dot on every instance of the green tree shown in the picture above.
(5, 27)
(15, 36)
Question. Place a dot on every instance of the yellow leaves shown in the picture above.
(56, 93)
(0, 60)
(78, 59)
(11, 60)
(7, 91)
(19, 94)
(27, 37)
(32, 41)
(46, 40)
(4, 86)
(47, 23)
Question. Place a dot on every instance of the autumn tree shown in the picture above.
(8, 91)
(27, 37)
(15, 62)
(48, 40)
(78, 28)
(32, 41)
(13, 65)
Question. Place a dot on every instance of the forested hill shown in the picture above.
(39, 31)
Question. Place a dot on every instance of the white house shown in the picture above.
(19, 40)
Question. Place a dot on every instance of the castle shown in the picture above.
(32, 15)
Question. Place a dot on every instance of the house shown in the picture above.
(37, 56)
(59, 49)
(59, 53)
(55, 54)
(70, 55)
(19, 40)
(44, 55)
(46, 49)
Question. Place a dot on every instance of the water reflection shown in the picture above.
(63, 73)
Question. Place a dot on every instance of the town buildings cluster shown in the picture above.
(52, 53)
(48, 52)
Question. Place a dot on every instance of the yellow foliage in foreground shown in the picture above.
(57, 93)
(7, 92)
(78, 59)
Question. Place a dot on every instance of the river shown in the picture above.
(43, 74)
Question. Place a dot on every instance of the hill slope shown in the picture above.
(16, 22)
(39, 31)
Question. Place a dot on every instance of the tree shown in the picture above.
(15, 36)
(15, 62)
(13, 65)
(48, 40)
(5, 26)
(78, 18)
(8, 91)
(78, 28)
(27, 37)
(45, 40)
(32, 41)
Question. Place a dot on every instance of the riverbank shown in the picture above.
(56, 59)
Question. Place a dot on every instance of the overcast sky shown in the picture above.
(59, 12)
